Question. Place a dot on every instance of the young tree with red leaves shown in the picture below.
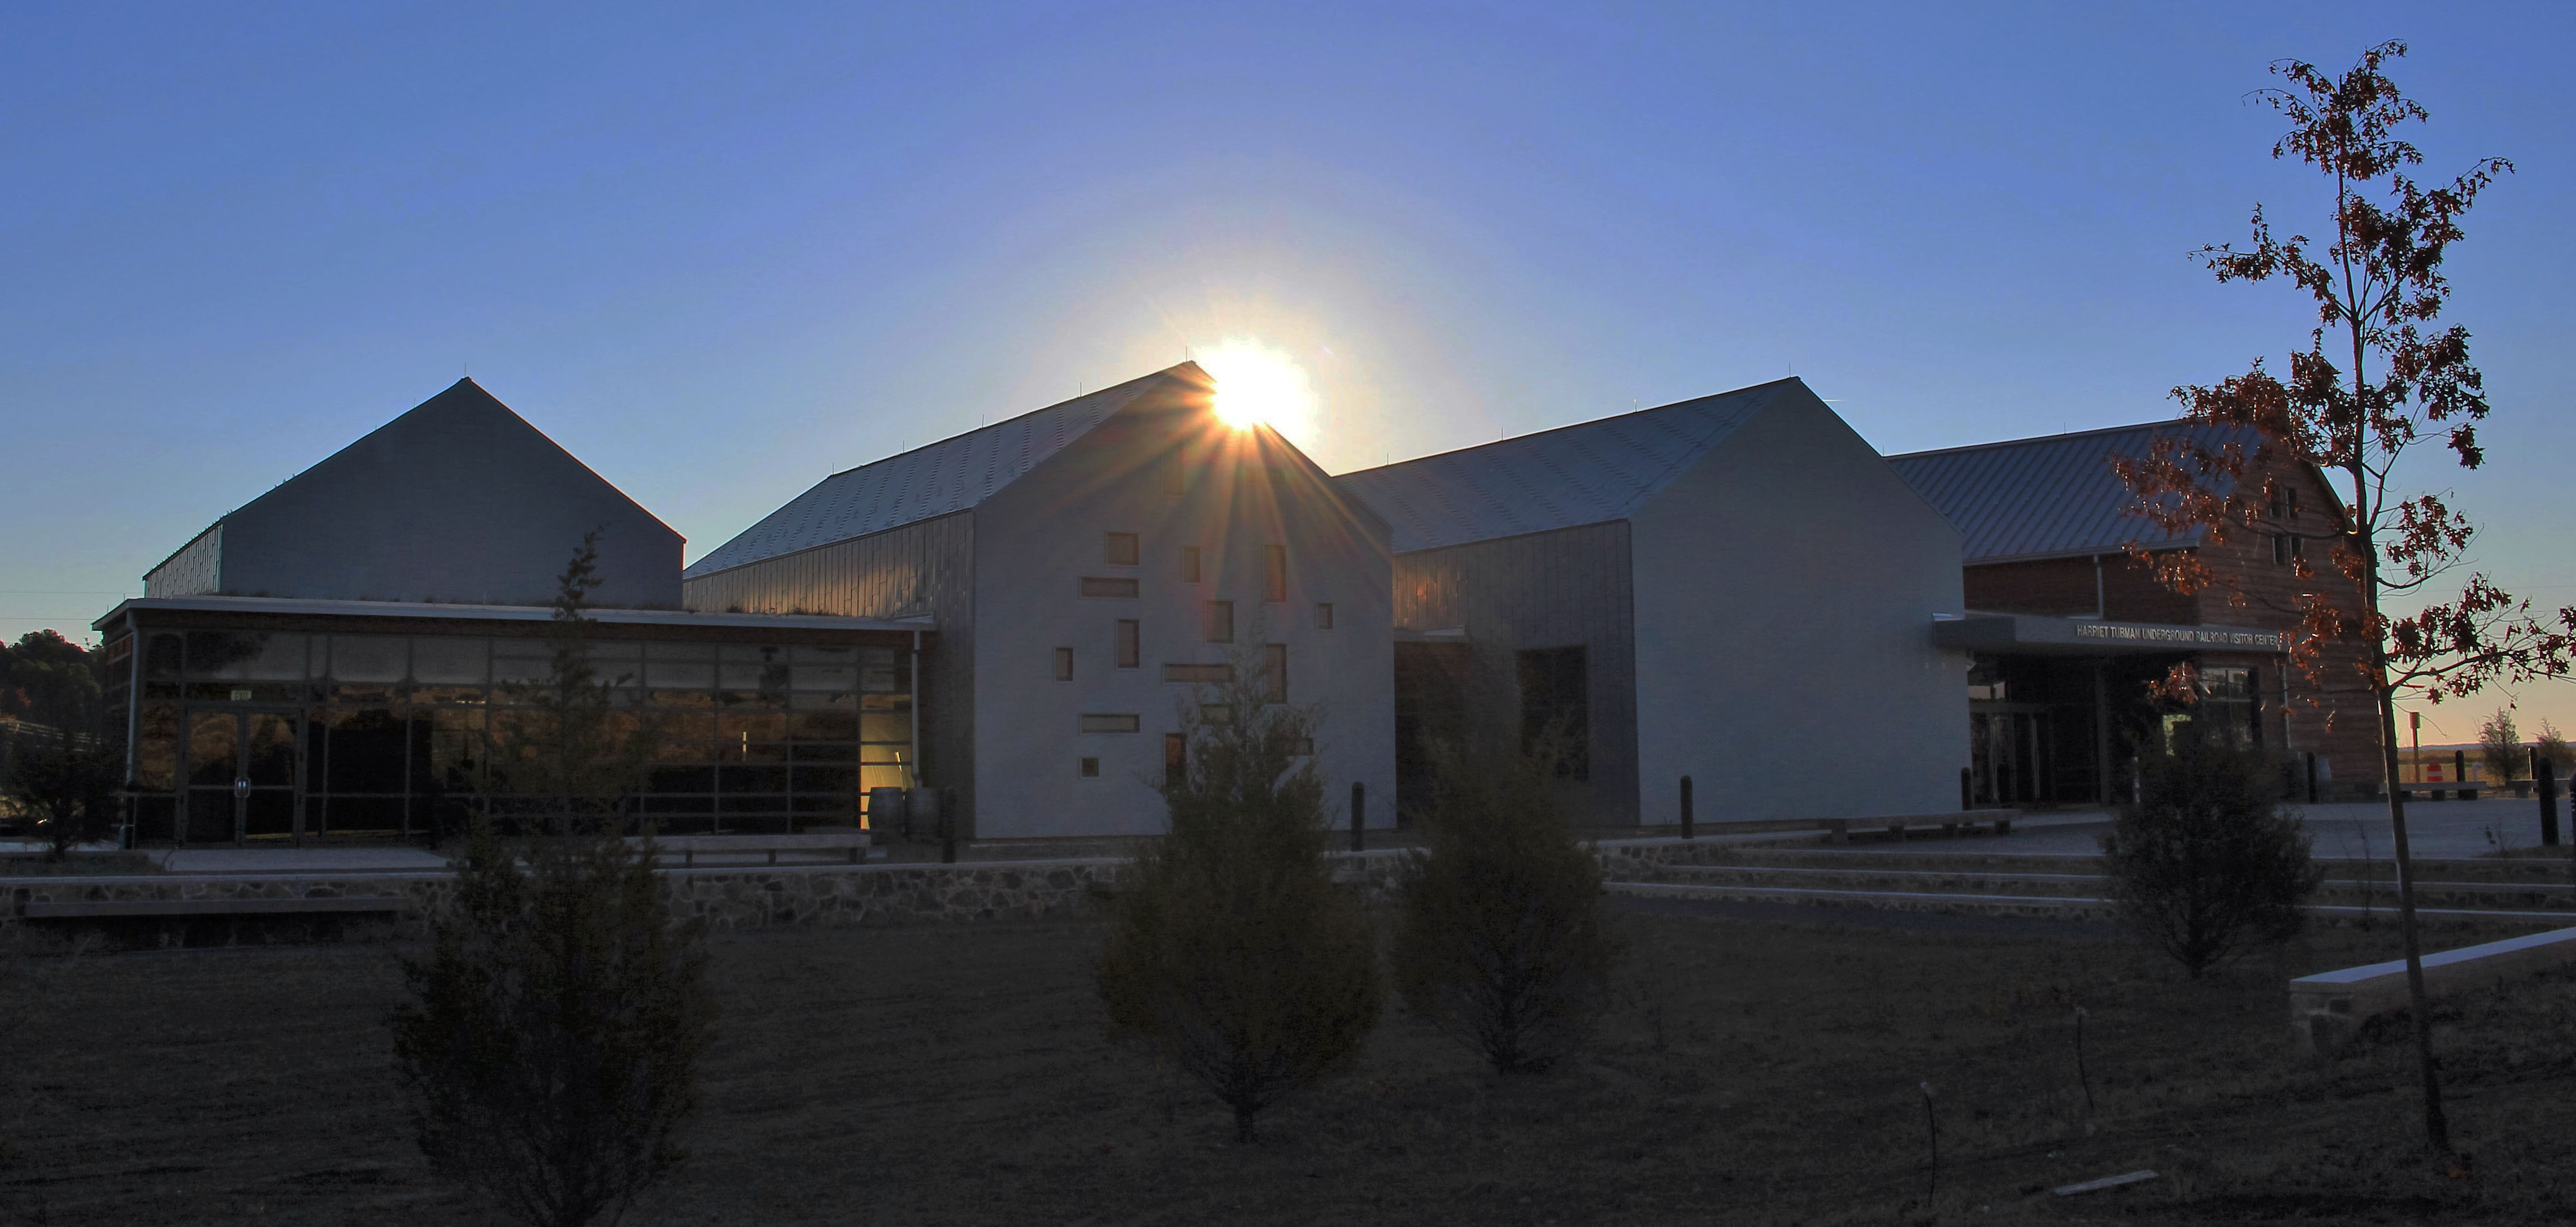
(2382, 372)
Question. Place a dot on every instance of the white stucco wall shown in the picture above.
(1036, 540)
(1784, 591)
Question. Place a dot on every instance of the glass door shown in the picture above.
(241, 776)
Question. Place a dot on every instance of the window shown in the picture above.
(1216, 713)
(2231, 697)
(1274, 671)
(2287, 547)
(1129, 633)
(1189, 564)
(1274, 572)
(1323, 615)
(1176, 758)
(1090, 768)
(1215, 675)
(1556, 702)
(1064, 664)
(1108, 723)
(1118, 549)
(1093, 585)
(1220, 622)
(2278, 504)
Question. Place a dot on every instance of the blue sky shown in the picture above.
(721, 251)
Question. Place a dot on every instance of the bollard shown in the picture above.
(1686, 809)
(948, 826)
(2460, 772)
(1967, 789)
(2312, 779)
(1359, 816)
(2544, 780)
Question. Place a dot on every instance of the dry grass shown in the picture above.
(1756, 1072)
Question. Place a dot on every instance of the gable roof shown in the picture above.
(1589, 473)
(2054, 496)
(936, 479)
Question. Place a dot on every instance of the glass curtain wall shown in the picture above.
(256, 736)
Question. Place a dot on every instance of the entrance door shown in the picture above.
(2009, 754)
(241, 776)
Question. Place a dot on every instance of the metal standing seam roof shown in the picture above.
(2054, 496)
(951, 475)
(1589, 473)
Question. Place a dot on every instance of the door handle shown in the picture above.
(241, 787)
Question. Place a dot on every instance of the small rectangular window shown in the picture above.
(1118, 549)
(1274, 671)
(1110, 723)
(1176, 758)
(2280, 547)
(1274, 572)
(1216, 713)
(1220, 622)
(1090, 768)
(1323, 615)
(1093, 585)
(1064, 664)
(1215, 675)
(1189, 564)
(1130, 651)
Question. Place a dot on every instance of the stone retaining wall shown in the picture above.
(748, 897)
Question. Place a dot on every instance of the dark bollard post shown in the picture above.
(2460, 772)
(1686, 809)
(1359, 816)
(948, 826)
(1967, 789)
(2312, 779)
(2544, 779)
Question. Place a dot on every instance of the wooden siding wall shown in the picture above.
(1543, 590)
(924, 569)
(2063, 587)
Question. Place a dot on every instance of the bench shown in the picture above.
(1896, 825)
(2467, 792)
(84, 909)
(850, 841)
(2328, 1008)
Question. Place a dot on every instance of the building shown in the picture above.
(2069, 632)
(334, 659)
(1090, 566)
(1737, 589)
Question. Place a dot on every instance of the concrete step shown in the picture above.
(2052, 907)
(2339, 891)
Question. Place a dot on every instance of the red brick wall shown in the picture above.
(2331, 714)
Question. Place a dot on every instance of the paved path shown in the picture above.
(2454, 830)
(297, 860)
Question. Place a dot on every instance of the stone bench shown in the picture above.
(851, 841)
(1840, 829)
(91, 909)
(2328, 1008)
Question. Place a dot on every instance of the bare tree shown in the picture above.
(1231, 952)
(2380, 374)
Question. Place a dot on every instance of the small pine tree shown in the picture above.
(1231, 952)
(2500, 744)
(552, 1035)
(566, 755)
(1501, 939)
(66, 787)
(2207, 863)
(2553, 747)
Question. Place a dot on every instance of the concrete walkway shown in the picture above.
(296, 860)
(2437, 830)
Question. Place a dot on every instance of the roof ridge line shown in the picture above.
(1456, 451)
(997, 425)
(2063, 434)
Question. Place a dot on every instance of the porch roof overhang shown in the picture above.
(285, 613)
(2040, 635)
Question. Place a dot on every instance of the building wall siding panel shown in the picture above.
(196, 570)
(1541, 590)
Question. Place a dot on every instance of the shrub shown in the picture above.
(552, 1036)
(1500, 937)
(2207, 863)
(1231, 952)
(2500, 744)
(67, 790)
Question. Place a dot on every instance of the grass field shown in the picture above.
(1754, 1072)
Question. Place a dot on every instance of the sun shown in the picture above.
(1257, 385)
